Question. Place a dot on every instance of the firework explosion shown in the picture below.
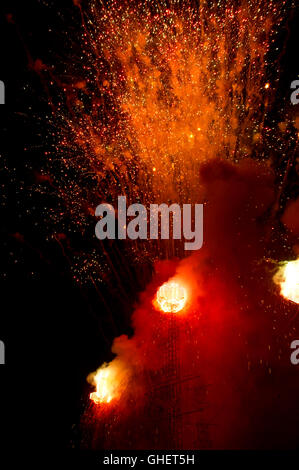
(171, 102)
(161, 90)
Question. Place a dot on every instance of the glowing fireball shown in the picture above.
(104, 386)
(171, 297)
(288, 278)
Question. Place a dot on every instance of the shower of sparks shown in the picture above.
(157, 89)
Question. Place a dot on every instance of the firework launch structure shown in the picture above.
(182, 390)
(174, 409)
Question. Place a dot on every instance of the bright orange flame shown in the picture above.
(103, 379)
(288, 279)
(171, 297)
